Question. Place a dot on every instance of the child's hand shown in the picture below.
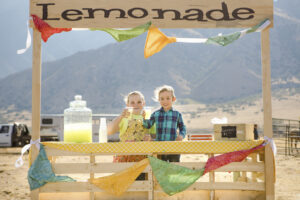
(144, 114)
(147, 137)
(179, 138)
(125, 113)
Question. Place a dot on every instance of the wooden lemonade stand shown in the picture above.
(206, 14)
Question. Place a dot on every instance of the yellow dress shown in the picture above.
(132, 130)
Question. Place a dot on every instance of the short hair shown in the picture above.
(126, 98)
(161, 89)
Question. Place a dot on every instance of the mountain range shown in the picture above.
(198, 72)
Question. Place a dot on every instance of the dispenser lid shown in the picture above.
(78, 102)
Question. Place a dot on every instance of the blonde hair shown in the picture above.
(164, 88)
(126, 98)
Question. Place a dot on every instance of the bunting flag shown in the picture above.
(173, 178)
(224, 159)
(45, 29)
(41, 172)
(118, 183)
(227, 39)
(121, 35)
(156, 41)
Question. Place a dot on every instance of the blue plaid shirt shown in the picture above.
(166, 124)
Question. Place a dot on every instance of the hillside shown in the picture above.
(199, 73)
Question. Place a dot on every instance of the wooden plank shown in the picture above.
(163, 13)
(36, 98)
(225, 186)
(88, 187)
(145, 186)
(267, 106)
(92, 175)
(77, 168)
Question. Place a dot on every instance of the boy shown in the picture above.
(167, 120)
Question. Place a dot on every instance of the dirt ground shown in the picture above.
(14, 185)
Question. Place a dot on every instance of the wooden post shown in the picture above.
(92, 175)
(211, 181)
(36, 98)
(267, 106)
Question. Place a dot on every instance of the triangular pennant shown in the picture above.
(156, 41)
(41, 172)
(173, 178)
(45, 29)
(226, 158)
(118, 183)
(121, 35)
(223, 39)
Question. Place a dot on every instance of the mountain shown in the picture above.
(13, 19)
(198, 72)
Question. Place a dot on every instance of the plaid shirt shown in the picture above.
(166, 124)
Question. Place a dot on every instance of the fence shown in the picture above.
(290, 130)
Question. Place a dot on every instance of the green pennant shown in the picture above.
(254, 28)
(223, 39)
(227, 39)
(173, 178)
(121, 35)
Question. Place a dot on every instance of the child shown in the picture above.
(130, 125)
(167, 120)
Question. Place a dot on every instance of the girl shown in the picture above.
(130, 125)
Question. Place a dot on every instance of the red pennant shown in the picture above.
(226, 158)
(45, 29)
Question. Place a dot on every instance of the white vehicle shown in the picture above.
(52, 127)
(14, 135)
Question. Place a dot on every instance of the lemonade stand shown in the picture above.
(54, 16)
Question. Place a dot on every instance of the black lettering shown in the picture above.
(45, 11)
(248, 11)
(224, 11)
(71, 12)
(196, 16)
(91, 12)
(161, 12)
(130, 12)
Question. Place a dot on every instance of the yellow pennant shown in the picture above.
(118, 183)
(156, 41)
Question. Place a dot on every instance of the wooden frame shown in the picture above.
(268, 186)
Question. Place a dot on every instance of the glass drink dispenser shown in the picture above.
(78, 122)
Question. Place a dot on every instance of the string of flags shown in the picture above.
(171, 177)
(156, 40)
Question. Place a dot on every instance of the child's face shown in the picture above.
(136, 102)
(166, 100)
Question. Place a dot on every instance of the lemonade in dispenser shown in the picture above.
(78, 122)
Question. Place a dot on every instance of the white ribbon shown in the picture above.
(28, 42)
(191, 40)
(272, 143)
(19, 162)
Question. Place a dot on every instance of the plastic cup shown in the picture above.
(148, 112)
(130, 110)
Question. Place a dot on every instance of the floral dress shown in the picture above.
(132, 130)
